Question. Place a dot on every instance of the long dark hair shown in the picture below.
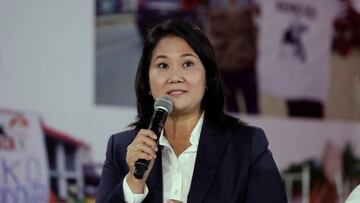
(213, 101)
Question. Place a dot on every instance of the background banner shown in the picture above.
(23, 160)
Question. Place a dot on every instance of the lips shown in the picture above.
(176, 92)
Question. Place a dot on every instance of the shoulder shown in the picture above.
(257, 137)
(247, 132)
(236, 129)
(248, 137)
(117, 144)
(122, 138)
(250, 141)
(125, 135)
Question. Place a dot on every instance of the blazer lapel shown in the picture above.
(155, 181)
(211, 145)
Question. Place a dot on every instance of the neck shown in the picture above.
(176, 125)
(178, 130)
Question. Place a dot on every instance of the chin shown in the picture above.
(178, 110)
(183, 111)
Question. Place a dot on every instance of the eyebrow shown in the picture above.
(184, 55)
(189, 54)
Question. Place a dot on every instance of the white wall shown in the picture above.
(47, 66)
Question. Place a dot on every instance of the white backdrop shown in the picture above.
(46, 66)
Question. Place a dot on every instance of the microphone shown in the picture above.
(163, 106)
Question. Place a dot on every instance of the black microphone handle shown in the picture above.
(156, 125)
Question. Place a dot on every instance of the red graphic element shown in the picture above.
(19, 120)
(7, 143)
(63, 136)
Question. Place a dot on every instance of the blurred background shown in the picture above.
(67, 68)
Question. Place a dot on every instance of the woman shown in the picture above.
(204, 155)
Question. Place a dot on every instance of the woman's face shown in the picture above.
(176, 70)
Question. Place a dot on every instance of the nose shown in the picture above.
(176, 75)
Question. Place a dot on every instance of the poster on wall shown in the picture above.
(23, 159)
(118, 48)
(294, 48)
(121, 28)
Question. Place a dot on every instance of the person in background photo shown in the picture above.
(203, 154)
(152, 12)
(232, 32)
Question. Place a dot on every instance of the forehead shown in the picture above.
(172, 45)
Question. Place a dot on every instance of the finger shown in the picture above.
(137, 156)
(150, 143)
(148, 133)
(142, 147)
(146, 140)
(147, 149)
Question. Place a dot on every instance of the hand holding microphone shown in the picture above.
(143, 149)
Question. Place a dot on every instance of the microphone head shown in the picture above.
(164, 102)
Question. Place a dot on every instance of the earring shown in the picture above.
(206, 89)
(150, 93)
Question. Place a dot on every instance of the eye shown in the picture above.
(163, 66)
(188, 64)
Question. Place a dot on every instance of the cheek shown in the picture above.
(152, 78)
(200, 84)
(202, 80)
(152, 84)
(155, 83)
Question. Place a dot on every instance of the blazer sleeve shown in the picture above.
(265, 183)
(110, 189)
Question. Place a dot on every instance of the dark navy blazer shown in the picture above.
(233, 164)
